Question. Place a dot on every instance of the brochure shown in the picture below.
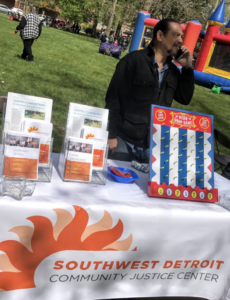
(42, 130)
(99, 138)
(24, 107)
(21, 155)
(79, 158)
(83, 115)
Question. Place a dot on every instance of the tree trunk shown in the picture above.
(111, 18)
(118, 29)
(94, 32)
(148, 4)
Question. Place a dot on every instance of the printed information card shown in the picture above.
(79, 158)
(21, 155)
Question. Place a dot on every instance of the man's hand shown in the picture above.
(186, 58)
(15, 32)
(37, 39)
(112, 145)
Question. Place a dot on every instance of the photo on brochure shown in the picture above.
(21, 155)
(42, 130)
(25, 107)
(92, 123)
(31, 114)
(79, 158)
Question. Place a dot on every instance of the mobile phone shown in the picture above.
(179, 54)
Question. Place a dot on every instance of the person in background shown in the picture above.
(115, 42)
(103, 37)
(30, 29)
(120, 40)
(111, 38)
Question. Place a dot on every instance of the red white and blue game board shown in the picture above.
(181, 155)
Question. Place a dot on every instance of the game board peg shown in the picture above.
(175, 162)
(179, 170)
(162, 153)
(188, 142)
(162, 168)
(170, 169)
(184, 163)
(201, 151)
(201, 166)
(166, 131)
(192, 164)
(188, 171)
(201, 180)
(205, 158)
(197, 157)
(175, 177)
(184, 134)
(192, 150)
(171, 154)
(175, 148)
(197, 172)
(205, 173)
(175, 133)
(196, 143)
(171, 140)
(192, 179)
(188, 156)
(184, 178)
(179, 155)
(166, 160)
(166, 146)
(166, 176)
(180, 141)
(184, 149)
(162, 138)
(200, 137)
(192, 136)
(205, 145)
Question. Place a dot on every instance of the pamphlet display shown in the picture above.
(99, 138)
(79, 160)
(27, 137)
(85, 150)
(21, 155)
(181, 155)
(24, 107)
(83, 115)
(43, 130)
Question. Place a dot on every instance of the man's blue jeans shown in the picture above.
(128, 152)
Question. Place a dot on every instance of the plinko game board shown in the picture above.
(182, 155)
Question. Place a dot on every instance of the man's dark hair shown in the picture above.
(164, 26)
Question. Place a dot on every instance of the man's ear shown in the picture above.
(160, 35)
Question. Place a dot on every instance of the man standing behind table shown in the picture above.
(143, 78)
(30, 27)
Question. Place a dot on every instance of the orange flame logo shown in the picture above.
(31, 129)
(19, 263)
(89, 135)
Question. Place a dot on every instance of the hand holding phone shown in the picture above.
(179, 54)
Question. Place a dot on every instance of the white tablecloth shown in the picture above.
(168, 232)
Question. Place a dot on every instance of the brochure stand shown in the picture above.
(44, 169)
(97, 176)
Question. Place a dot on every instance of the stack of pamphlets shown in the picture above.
(28, 134)
(87, 139)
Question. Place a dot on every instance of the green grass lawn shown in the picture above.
(68, 68)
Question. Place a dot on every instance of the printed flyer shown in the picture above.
(21, 155)
(99, 138)
(42, 130)
(83, 115)
(24, 107)
(79, 158)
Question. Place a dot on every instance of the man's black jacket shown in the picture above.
(134, 87)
